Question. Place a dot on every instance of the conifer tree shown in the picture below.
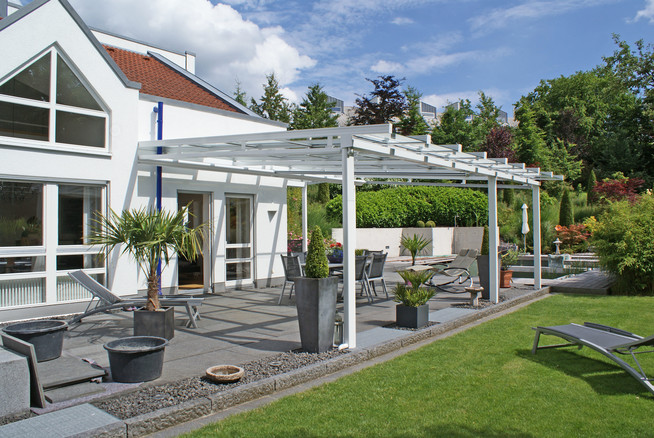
(273, 105)
(566, 217)
(412, 123)
(314, 111)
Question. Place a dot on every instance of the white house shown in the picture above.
(74, 104)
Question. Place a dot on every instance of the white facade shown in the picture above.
(111, 173)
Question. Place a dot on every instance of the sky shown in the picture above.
(447, 49)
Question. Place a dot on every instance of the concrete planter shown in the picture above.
(483, 263)
(505, 278)
(47, 336)
(159, 323)
(315, 300)
(412, 317)
(136, 358)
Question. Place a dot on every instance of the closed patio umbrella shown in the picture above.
(525, 225)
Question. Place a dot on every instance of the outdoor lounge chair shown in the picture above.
(104, 300)
(603, 339)
(376, 272)
(457, 270)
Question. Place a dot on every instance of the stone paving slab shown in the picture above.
(81, 420)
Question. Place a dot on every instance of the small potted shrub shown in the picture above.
(509, 259)
(315, 298)
(412, 296)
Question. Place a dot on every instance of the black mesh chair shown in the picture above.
(376, 272)
(292, 269)
(361, 266)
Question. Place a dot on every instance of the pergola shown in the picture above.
(352, 156)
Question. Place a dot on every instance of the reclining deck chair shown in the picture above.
(105, 300)
(603, 339)
(457, 270)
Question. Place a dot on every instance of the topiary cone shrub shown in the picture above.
(317, 265)
(484, 241)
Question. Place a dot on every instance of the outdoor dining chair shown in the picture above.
(376, 272)
(292, 269)
(361, 266)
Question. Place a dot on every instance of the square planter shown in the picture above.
(315, 299)
(412, 317)
(159, 323)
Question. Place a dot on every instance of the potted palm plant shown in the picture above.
(414, 245)
(152, 238)
(412, 296)
(509, 259)
(315, 298)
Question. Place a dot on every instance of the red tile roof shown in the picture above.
(159, 80)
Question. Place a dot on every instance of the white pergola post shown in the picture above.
(305, 225)
(493, 241)
(535, 200)
(349, 244)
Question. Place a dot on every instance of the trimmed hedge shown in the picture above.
(405, 206)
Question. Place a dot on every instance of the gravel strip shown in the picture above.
(153, 398)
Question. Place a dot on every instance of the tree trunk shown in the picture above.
(153, 290)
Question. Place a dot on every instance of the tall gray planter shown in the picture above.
(412, 317)
(315, 300)
(483, 266)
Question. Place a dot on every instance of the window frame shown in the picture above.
(54, 107)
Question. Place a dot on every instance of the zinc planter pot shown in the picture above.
(483, 267)
(412, 317)
(47, 336)
(136, 358)
(159, 323)
(315, 300)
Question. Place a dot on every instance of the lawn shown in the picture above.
(481, 382)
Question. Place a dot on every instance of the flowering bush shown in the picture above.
(617, 189)
(293, 242)
(574, 237)
(333, 248)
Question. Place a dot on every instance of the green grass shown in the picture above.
(481, 382)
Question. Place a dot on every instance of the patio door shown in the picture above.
(195, 274)
(239, 251)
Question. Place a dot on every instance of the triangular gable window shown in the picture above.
(26, 105)
(31, 83)
(70, 90)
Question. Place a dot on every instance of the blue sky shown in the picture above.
(447, 49)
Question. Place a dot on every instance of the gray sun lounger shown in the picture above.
(104, 300)
(456, 271)
(605, 340)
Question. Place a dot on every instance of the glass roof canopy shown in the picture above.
(317, 155)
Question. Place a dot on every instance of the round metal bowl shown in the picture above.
(224, 373)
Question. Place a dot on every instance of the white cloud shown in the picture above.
(402, 21)
(499, 18)
(647, 12)
(442, 100)
(435, 61)
(386, 67)
(227, 45)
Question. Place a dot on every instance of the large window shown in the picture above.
(26, 102)
(21, 214)
(36, 246)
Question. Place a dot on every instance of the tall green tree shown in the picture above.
(272, 105)
(239, 94)
(412, 122)
(484, 121)
(314, 111)
(566, 217)
(455, 126)
(385, 103)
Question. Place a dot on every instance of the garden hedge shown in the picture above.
(405, 206)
